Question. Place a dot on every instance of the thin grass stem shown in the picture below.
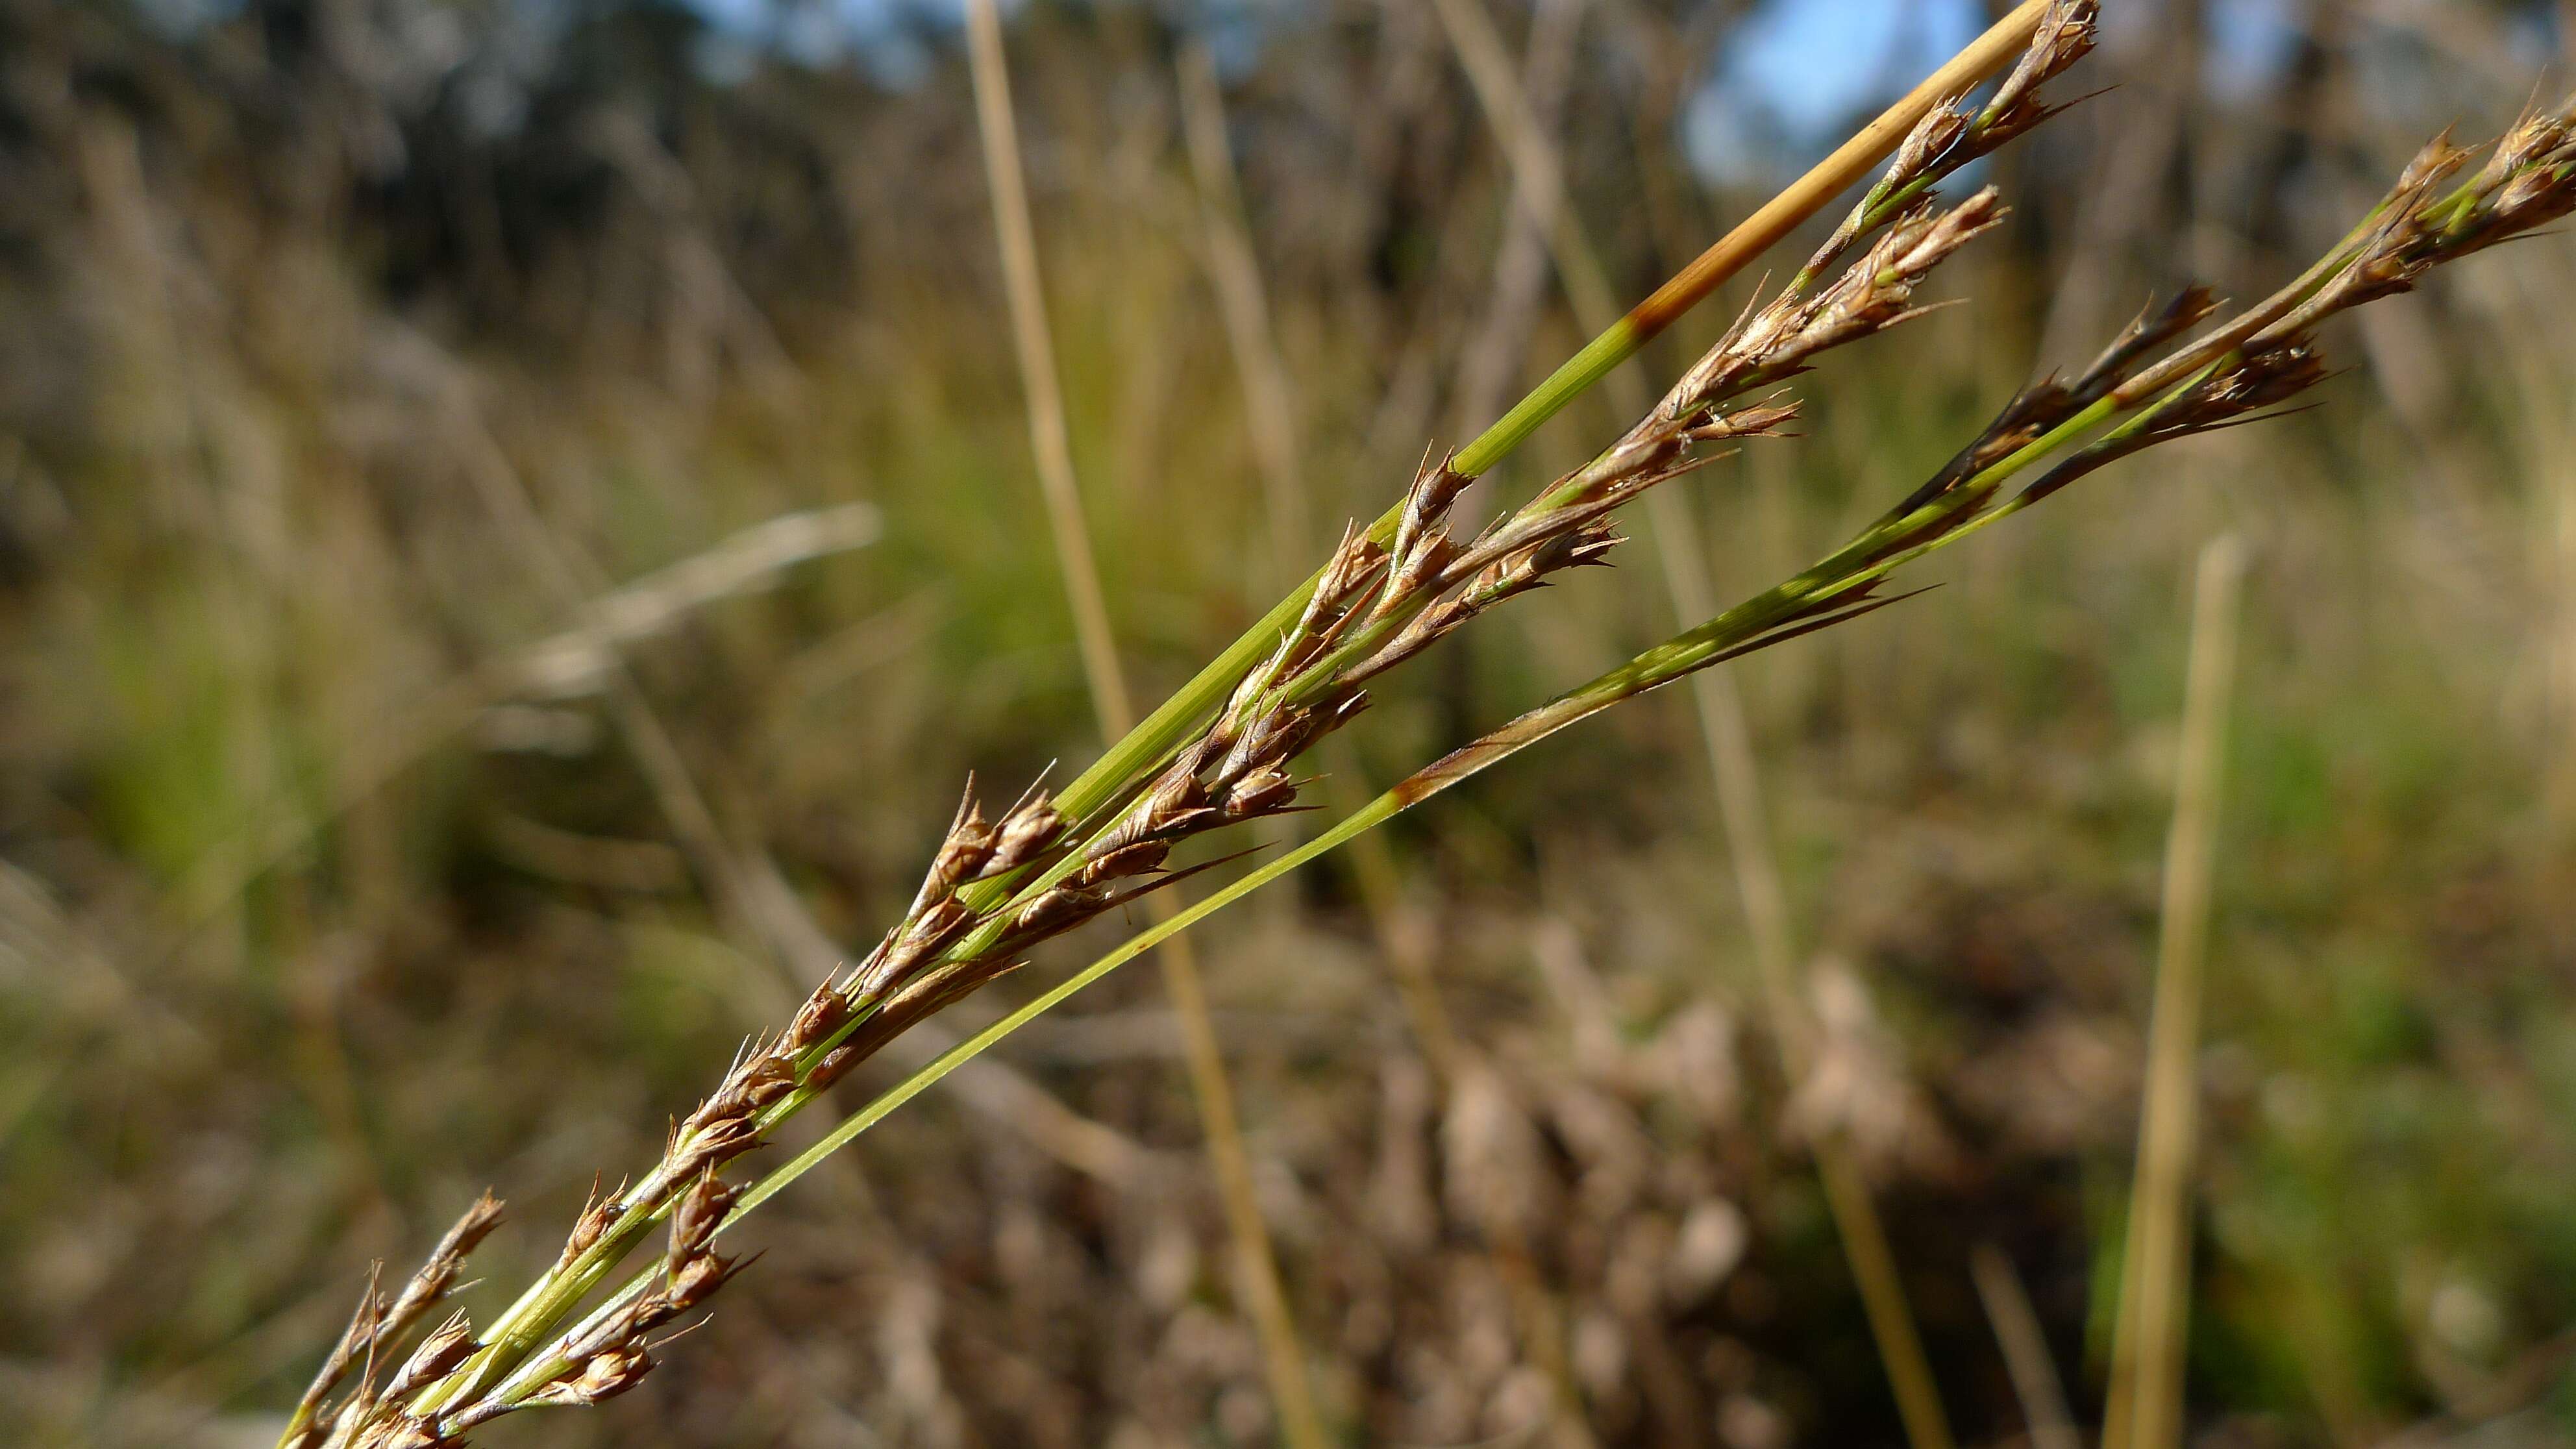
(2025, 1349)
(2144, 1410)
(1256, 1262)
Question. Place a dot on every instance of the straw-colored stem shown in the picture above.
(1033, 341)
(2553, 423)
(1257, 1271)
(2025, 1348)
(1882, 1299)
(2144, 1409)
(1270, 410)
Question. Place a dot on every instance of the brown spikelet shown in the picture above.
(962, 855)
(2067, 35)
(821, 1014)
(597, 1212)
(447, 1345)
(1031, 826)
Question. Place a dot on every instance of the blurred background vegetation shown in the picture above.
(413, 778)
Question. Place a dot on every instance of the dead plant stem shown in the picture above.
(2025, 1350)
(1257, 1272)
(2144, 1410)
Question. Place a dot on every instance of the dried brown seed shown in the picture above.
(822, 1014)
(1057, 909)
(1126, 861)
(1259, 793)
(962, 853)
(697, 1215)
(694, 1281)
(602, 1376)
(2066, 35)
(1353, 561)
(712, 1145)
(761, 1079)
(1426, 502)
(597, 1213)
(1030, 828)
(400, 1431)
(448, 1345)
(939, 925)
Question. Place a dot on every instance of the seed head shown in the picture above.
(1030, 828)
(696, 1217)
(1435, 487)
(760, 1079)
(1259, 793)
(2065, 35)
(962, 853)
(602, 1376)
(448, 1345)
(1124, 862)
(816, 1020)
(597, 1213)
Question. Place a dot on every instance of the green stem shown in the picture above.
(1617, 343)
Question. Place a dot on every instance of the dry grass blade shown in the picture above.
(2145, 1403)
(583, 658)
(1270, 412)
(1256, 1261)
(576, 659)
(2043, 1399)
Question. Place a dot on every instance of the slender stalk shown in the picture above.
(2145, 1403)
(1882, 1298)
(2025, 1348)
(1256, 1263)
(1031, 340)
(1270, 409)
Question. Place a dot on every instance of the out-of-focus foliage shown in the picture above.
(346, 348)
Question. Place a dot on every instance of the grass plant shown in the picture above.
(1221, 752)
